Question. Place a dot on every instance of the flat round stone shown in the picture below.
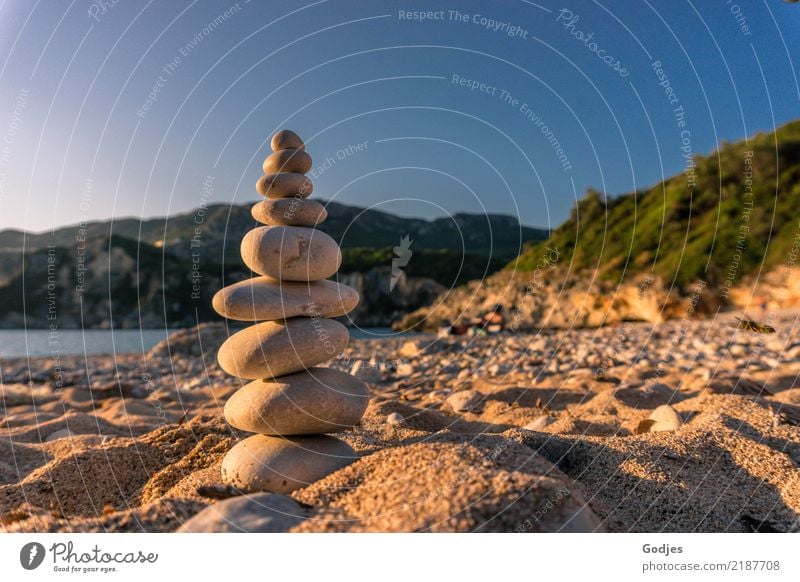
(317, 401)
(259, 513)
(265, 298)
(287, 161)
(291, 253)
(289, 212)
(286, 139)
(284, 185)
(283, 465)
(275, 348)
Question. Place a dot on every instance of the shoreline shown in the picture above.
(45, 343)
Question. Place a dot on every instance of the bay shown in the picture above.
(19, 343)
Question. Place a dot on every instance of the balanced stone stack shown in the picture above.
(290, 404)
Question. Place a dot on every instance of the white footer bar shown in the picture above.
(388, 557)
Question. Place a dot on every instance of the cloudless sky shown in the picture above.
(82, 138)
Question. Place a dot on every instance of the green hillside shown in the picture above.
(718, 231)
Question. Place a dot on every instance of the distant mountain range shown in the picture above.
(131, 273)
(224, 225)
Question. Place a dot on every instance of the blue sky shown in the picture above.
(134, 109)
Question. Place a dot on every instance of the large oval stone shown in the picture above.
(316, 401)
(287, 161)
(289, 212)
(284, 185)
(265, 298)
(291, 253)
(283, 465)
(286, 139)
(275, 348)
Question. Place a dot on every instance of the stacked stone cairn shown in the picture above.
(290, 404)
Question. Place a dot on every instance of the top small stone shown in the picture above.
(286, 139)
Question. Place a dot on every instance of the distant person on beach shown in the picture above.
(494, 321)
(445, 329)
(490, 323)
(448, 328)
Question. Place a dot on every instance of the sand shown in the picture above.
(146, 435)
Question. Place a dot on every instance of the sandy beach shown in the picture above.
(134, 442)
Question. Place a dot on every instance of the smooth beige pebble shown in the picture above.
(665, 418)
(297, 161)
(283, 465)
(289, 212)
(316, 401)
(265, 298)
(286, 139)
(275, 348)
(291, 253)
(284, 185)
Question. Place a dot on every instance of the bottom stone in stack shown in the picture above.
(284, 464)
